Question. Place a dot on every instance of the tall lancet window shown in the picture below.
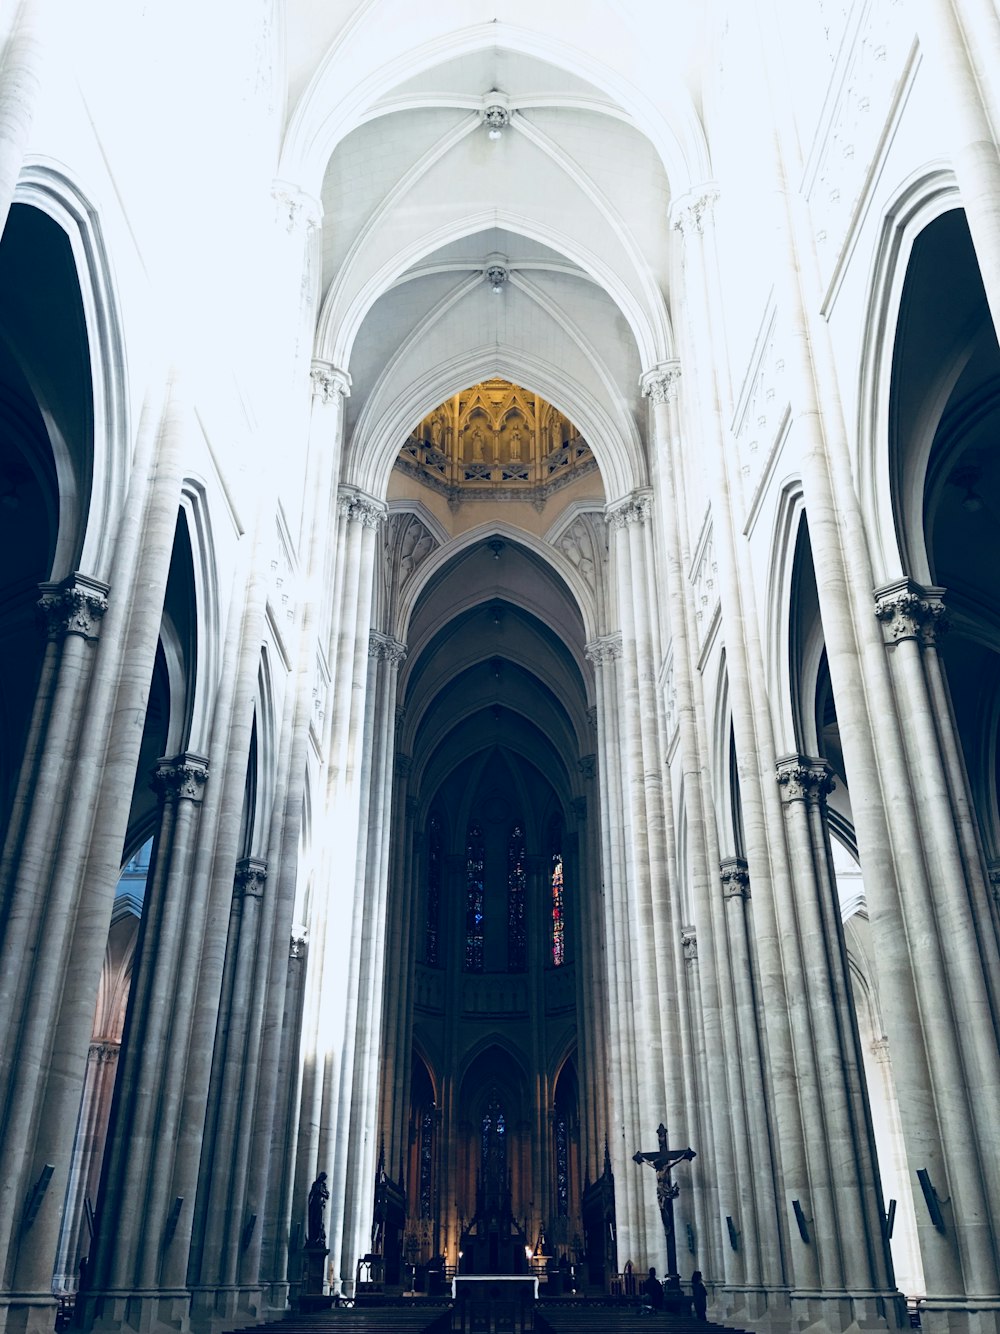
(435, 857)
(494, 1132)
(517, 938)
(475, 865)
(558, 908)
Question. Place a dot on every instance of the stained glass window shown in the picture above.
(426, 1162)
(562, 1164)
(434, 862)
(558, 913)
(517, 939)
(494, 1131)
(475, 862)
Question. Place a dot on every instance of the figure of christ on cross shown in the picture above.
(666, 1191)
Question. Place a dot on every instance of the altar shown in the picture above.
(495, 1303)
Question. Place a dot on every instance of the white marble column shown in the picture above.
(605, 655)
(126, 1249)
(343, 931)
(87, 819)
(721, 1176)
(23, 49)
(960, 42)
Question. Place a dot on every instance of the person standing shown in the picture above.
(699, 1296)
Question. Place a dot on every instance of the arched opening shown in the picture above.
(944, 419)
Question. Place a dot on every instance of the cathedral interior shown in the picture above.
(500, 622)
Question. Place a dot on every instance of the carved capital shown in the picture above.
(605, 649)
(105, 1053)
(633, 509)
(250, 876)
(592, 716)
(296, 209)
(74, 606)
(182, 778)
(735, 876)
(359, 508)
(386, 649)
(907, 610)
(693, 213)
(880, 1050)
(587, 764)
(297, 945)
(662, 383)
(802, 778)
(579, 805)
(328, 382)
(689, 943)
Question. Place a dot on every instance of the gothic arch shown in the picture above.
(580, 595)
(382, 427)
(780, 602)
(920, 200)
(86, 539)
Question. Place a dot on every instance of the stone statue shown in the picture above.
(318, 1196)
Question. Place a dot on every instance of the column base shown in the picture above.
(227, 1307)
(841, 1312)
(960, 1315)
(148, 1311)
(760, 1309)
(27, 1312)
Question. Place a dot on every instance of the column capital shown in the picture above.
(181, 778)
(804, 778)
(105, 1053)
(604, 649)
(735, 876)
(662, 382)
(360, 508)
(73, 606)
(908, 610)
(587, 764)
(298, 944)
(632, 509)
(295, 208)
(250, 876)
(328, 382)
(386, 648)
(592, 716)
(689, 943)
(690, 213)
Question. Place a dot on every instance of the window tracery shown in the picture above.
(517, 937)
(475, 928)
(434, 865)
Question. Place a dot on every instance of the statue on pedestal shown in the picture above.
(318, 1196)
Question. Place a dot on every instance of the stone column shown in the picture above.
(371, 870)
(22, 55)
(73, 610)
(954, 942)
(342, 950)
(756, 1224)
(221, 1226)
(87, 831)
(623, 1090)
(960, 41)
(285, 1176)
(717, 1178)
(844, 1205)
(128, 1249)
(88, 1151)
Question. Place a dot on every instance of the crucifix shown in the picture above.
(666, 1191)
